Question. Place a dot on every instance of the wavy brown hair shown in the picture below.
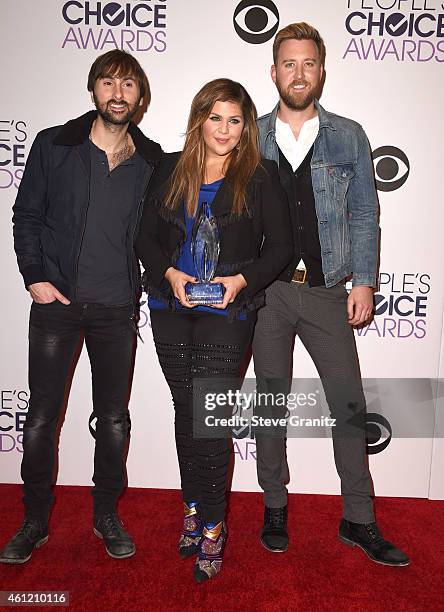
(240, 165)
(118, 63)
(299, 31)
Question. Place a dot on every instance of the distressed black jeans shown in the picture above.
(55, 333)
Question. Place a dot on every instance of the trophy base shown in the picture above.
(204, 294)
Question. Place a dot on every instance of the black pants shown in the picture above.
(190, 346)
(54, 334)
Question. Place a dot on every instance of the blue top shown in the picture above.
(185, 261)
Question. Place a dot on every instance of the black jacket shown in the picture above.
(258, 245)
(52, 203)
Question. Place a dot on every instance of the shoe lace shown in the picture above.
(276, 517)
(112, 524)
(28, 528)
(373, 532)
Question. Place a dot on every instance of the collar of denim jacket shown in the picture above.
(325, 118)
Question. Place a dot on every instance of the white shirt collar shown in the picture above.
(294, 149)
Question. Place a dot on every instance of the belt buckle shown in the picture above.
(300, 276)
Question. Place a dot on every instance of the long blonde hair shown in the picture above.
(240, 165)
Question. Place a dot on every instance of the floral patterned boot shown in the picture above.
(211, 549)
(191, 531)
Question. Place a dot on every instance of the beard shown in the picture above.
(294, 99)
(110, 117)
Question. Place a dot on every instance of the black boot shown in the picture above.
(33, 533)
(274, 535)
(368, 537)
(118, 542)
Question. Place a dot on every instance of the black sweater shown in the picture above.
(258, 244)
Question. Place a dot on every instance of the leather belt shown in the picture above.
(299, 276)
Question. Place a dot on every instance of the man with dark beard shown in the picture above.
(75, 220)
(325, 167)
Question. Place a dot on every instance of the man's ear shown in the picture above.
(141, 102)
(92, 97)
(273, 73)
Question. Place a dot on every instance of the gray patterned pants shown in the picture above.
(319, 317)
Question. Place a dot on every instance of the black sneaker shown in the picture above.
(274, 535)
(118, 542)
(368, 537)
(33, 533)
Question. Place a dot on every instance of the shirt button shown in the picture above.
(301, 227)
(299, 203)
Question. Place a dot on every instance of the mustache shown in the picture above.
(116, 102)
(299, 82)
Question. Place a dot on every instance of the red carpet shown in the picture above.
(318, 573)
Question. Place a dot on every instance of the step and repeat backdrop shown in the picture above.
(384, 68)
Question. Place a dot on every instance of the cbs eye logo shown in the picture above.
(392, 168)
(256, 21)
(377, 440)
(92, 424)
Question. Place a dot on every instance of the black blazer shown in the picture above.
(52, 202)
(259, 244)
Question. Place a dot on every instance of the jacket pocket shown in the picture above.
(342, 172)
(339, 177)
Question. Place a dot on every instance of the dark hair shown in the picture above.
(189, 172)
(119, 63)
(299, 31)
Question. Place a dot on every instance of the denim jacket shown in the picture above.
(344, 192)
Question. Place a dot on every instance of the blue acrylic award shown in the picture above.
(205, 252)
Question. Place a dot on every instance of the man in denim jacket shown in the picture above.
(326, 169)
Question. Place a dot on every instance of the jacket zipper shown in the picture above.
(83, 228)
(136, 225)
